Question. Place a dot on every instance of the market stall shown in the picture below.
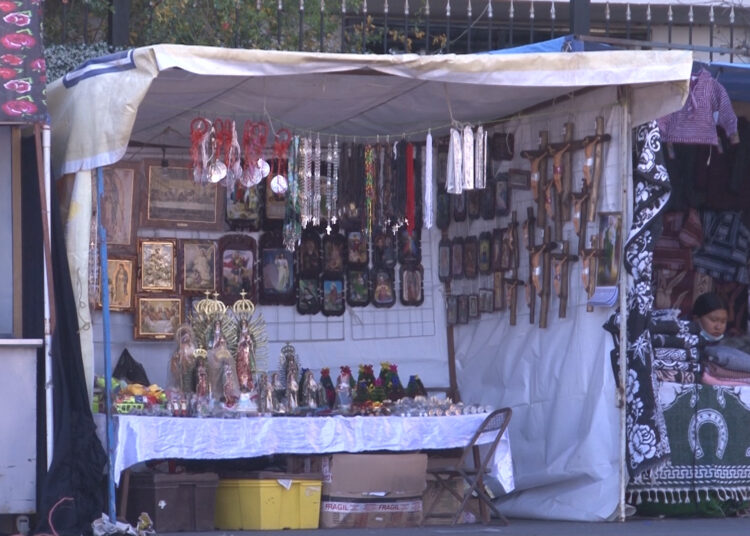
(143, 103)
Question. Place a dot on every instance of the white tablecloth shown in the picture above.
(140, 438)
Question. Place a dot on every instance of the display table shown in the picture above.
(140, 438)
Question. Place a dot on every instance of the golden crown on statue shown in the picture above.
(243, 306)
(201, 352)
(210, 306)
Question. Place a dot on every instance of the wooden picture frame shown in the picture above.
(121, 277)
(502, 194)
(610, 249)
(358, 255)
(451, 310)
(463, 309)
(486, 300)
(276, 271)
(237, 261)
(245, 206)
(498, 288)
(157, 265)
(172, 199)
(501, 146)
(411, 285)
(157, 317)
(308, 296)
(474, 203)
(473, 305)
(457, 258)
(444, 260)
(357, 287)
(409, 246)
(334, 255)
(334, 302)
(118, 206)
(519, 179)
(471, 253)
(484, 259)
(443, 216)
(309, 260)
(496, 250)
(458, 206)
(487, 201)
(384, 249)
(383, 289)
(198, 261)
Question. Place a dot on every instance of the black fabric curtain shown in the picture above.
(76, 481)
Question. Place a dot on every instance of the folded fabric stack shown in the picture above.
(676, 347)
(726, 365)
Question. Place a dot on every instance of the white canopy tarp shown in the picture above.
(558, 380)
(137, 96)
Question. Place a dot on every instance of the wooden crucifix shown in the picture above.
(561, 179)
(541, 269)
(561, 282)
(538, 168)
(529, 234)
(512, 282)
(580, 210)
(593, 148)
(588, 272)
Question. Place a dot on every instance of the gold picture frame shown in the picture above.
(117, 204)
(120, 282)
(157, 317)
(157, 260)
(197, 261)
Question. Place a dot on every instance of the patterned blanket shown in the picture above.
(710, 446)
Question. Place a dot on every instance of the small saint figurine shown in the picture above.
(182, 362)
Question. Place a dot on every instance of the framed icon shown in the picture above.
(334, 255)
(237, 261)
(473, 203)
(409, 246)
(157, 317)
(309, 255)
(473, 305)
(451, 310)
(157, 258)
(245, 206)
(411, 284)
(463, 309)
(197, 262)
(498, 288)
(484, 261)
(457, 258)
(496, 250)
(458, 201)
(308, 296)
(502, 195)
(117, 206)
(471, 253)
(383, 293)
(384, 249)
(357, 250)
(357, 287)
(519, 179)
(443, 217)
(487, 201)
(486, 300)
(610, 244)
(120, 283)
(444, 260)
(276, 271)
(333, 297)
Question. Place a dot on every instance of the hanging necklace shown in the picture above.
(316, 183)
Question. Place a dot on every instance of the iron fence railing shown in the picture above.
(439, 26)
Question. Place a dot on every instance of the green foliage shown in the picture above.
(63, 58)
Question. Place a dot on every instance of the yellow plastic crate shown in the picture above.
(285, 502)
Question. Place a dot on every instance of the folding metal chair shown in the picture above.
(471, 467)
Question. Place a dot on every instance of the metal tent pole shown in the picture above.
(107, 355)
(48, 385)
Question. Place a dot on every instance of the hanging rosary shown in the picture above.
(279, 183)
(316, 183)
(306, 190)
(292, 227)
(254, 138)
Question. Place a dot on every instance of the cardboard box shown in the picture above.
(442, 513)
(305, 464)
(268, 501)
(373, 490)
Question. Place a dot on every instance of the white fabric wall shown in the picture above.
(558, 380)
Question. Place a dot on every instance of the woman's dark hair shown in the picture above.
(708, 302)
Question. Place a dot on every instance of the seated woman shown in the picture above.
(711, 313)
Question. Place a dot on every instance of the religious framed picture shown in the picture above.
(384, 249)
(237, 267)
(458, 202)
(444, 260)
(157, 259)
(501, 146)
(357, 287)
(443, 216)
(172, 199)
(157, 317)
(486, 300)
(333, 297)
(484, 261)
(117, 205)
(610, 246)
(457, 258)
(245, 206)
(487, 201)
(498, 288)
(383, 291)
(411, 284)
(308, 296)
(276, 271)
(357, 249)
(197, 262)
(308, 254)
(473, 305)
(471, 252)
(473, 203)
(463, 309)
(519, 179)
(502, 194)
(409, 246)
(451, 310)
(120, 283)
(334, 255)
(496, 250)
